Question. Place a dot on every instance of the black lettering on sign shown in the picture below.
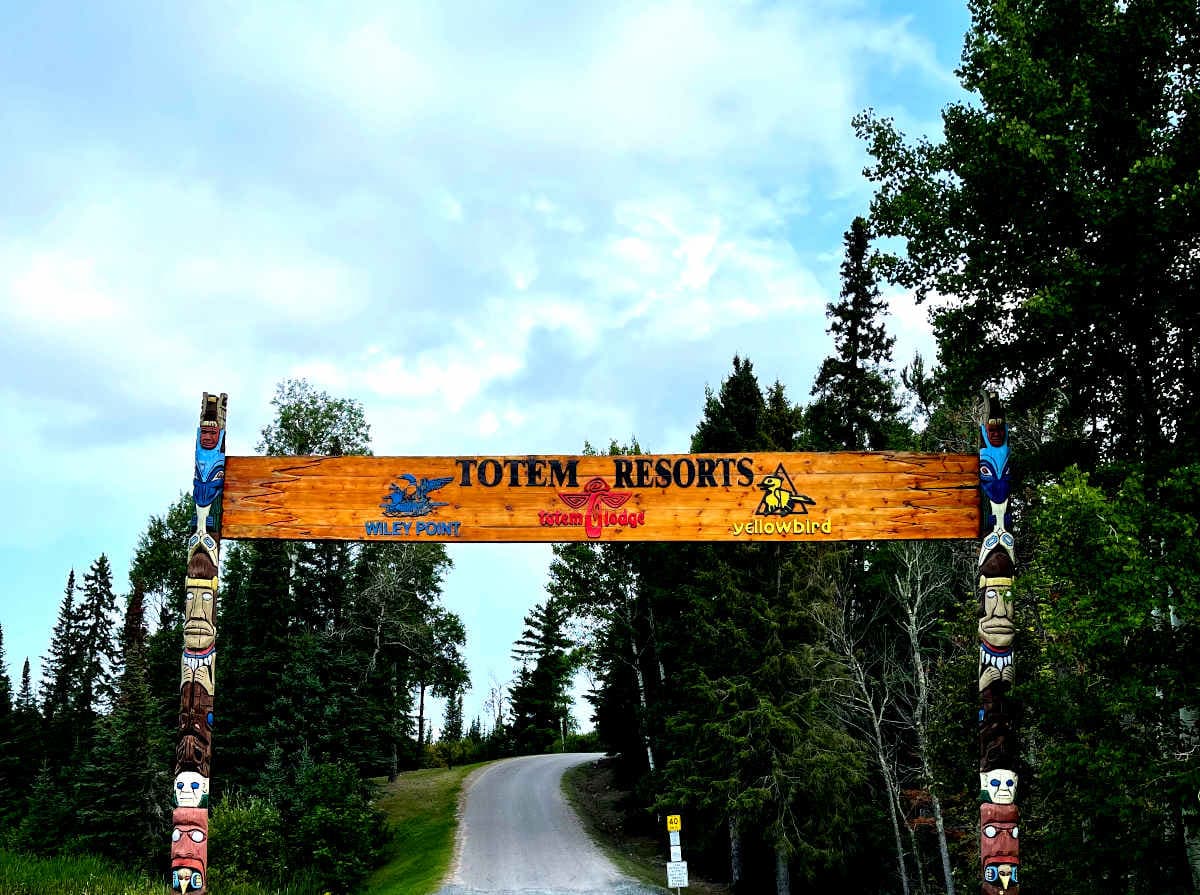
(683, 465)
(643, 465)
(490, 473)
(746, 468)
(560, 476)
(465, 465)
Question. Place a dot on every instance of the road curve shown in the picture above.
(518, 835)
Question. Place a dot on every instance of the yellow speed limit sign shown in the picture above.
(673, 822)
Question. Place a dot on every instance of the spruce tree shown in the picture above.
(855, 398)
(541, 697)
(61, 670)
(6, 690)
(8, 757)
(25, 745)
(99, 657)
(452, 724)
(123, 787)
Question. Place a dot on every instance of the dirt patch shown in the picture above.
(615, 820)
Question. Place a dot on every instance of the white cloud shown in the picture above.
(502, 232)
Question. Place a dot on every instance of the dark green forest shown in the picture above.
(810, 709)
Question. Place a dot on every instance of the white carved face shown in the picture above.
(1000, 785)
(191, 790)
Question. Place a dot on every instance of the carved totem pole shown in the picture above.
(998, 815)
(193, 755)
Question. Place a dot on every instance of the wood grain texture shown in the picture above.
(673, 497)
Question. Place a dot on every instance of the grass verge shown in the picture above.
(422, 807)
(22, 874)
(611, 817)
(25, 874)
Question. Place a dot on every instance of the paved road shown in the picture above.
(518, 835)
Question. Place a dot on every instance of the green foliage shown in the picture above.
(1112, 648)
(246, 841)
(1058, 216)
(540, 699)
(855, 406)
(308, 421)
(26, 874)
(332, 823)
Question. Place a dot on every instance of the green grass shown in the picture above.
(607, 815)
(22, 874)
(634, 858)
(422, 807)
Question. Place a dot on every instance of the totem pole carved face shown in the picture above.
(996, 666)
(998, 840)
(994, 471)
(191, 790)
(998, 787)
(209, 435)
(193, 754)
(210, 465)
(199, 668)
(199, 628)
(996, 611)
(189, 849)
(195, 712)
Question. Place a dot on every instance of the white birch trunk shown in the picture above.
(783, 877)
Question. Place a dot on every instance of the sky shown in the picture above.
(504, 228)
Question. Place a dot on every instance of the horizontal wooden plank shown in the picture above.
(666, 497)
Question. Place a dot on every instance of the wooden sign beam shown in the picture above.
(658, 497)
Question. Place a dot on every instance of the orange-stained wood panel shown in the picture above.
(663, 497)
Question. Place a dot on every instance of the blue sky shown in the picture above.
(505, 228)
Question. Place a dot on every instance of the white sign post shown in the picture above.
(677, 875)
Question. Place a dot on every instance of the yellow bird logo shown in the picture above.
(780, 497)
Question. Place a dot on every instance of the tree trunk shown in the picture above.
(735, 853)
(913, 602)
(942, 846)
(421, 718)
(783, 879)
(641, 692)
(895, 815)
(394, 770)
(662, 673)
(916, 848)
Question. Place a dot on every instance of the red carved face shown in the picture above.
(998, 835)
(189, 849)
(209, 436)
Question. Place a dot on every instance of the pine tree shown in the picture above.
(8, 757)
(25, 747)
(122, 794)
(6, 691)
(100, 659)
(452, 724)
(47, 826)
(58, 665)
(855, 399)
(61, 670)
(541, 699)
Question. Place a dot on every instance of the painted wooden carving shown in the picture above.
(197, 686)
(999, 817)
